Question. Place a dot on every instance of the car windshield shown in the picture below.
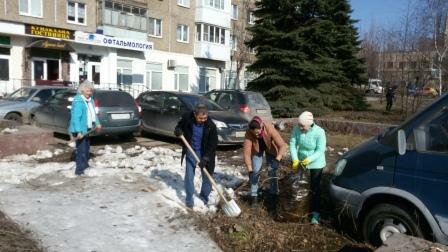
(21, 94)
(193, 100)
(257, 100)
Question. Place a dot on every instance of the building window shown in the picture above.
(233, 42)
(122, 15)
(154, 76)
(234, 12)
(76, 12)
(210, 33)
(401, 65)
(182, 33)
(4, 63)
(155, 27)
(252, 50)
(124, 72)
(30, 8)
(251, 17)
(218, 4)
(389, 64)
(207, 79)
(181, 78)
(185, 3)
(46, 69)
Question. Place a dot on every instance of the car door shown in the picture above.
(423, 169)
(227, 101)
(62, 111)
(44, 114)
(151, 104)
(172, 111)
(214, 96)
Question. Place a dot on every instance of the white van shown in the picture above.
(375, 86)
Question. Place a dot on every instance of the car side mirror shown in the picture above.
(36, 99)
(401, 139)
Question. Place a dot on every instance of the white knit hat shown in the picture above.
(306, 118)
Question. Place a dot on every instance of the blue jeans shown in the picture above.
(206, 187)
(257, 163)
(82, 155)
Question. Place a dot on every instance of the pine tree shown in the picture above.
(310, 44)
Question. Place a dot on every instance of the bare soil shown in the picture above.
(15, 239)
(289, 230)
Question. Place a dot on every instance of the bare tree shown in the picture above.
(240, 53)
(435, 17)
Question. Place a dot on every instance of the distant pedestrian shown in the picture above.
(83, 120)
(390, 96)
(200, 132)
(262, 139)
(307, 146)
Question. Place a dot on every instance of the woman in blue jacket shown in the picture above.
(307, 146)
(83, 120)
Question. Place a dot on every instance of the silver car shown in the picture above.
(17, 105)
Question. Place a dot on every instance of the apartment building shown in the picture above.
(183, 45)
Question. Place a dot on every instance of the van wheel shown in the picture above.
(385, 219)
(14, 117)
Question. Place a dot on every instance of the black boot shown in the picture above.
(253, 201)
(273, 206)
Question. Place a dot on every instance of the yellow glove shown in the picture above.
(306, 162)
(295, 164)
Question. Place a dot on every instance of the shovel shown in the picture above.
(73, 139)
(230, 208)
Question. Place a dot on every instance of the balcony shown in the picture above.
(212, 51)
(215, 12)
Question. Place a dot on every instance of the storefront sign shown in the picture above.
(48, 44)
(4, 40)
(51, 32)
(123, 43)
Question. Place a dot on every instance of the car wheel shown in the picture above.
(14, 117)
(385, 219)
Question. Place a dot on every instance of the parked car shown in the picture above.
(375, 87)
(397, 182)
(428, 90)
(245, 103)
(117, 111)
(18, 104)
(162, 110)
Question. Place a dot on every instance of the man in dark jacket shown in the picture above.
(200, 132)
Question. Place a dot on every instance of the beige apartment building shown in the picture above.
(136, 45)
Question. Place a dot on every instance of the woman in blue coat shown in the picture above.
(83, 120)
(307, 146)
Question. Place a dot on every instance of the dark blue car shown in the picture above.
(398, 182)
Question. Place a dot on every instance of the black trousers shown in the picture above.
(315, 176)
(389, 104)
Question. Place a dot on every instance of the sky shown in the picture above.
(386, 13)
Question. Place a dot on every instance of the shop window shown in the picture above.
(76, 12)
(155, 27)
(123, 15)
(154, 76)
(185, 3)
(4, 68)
(210, 33)
(46, 69)
(124, 72)
(181, 78)
(30, 8)
(207, 79)
(4, 63)
(182, 33)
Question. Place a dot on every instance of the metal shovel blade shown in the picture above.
(231, 209)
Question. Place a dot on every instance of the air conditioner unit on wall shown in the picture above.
(171, 63)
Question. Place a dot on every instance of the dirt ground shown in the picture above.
(290, 230)
(377, 112)
(15, 239)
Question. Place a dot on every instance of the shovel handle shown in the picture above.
(205, 170)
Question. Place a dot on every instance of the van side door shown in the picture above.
(423, 170)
